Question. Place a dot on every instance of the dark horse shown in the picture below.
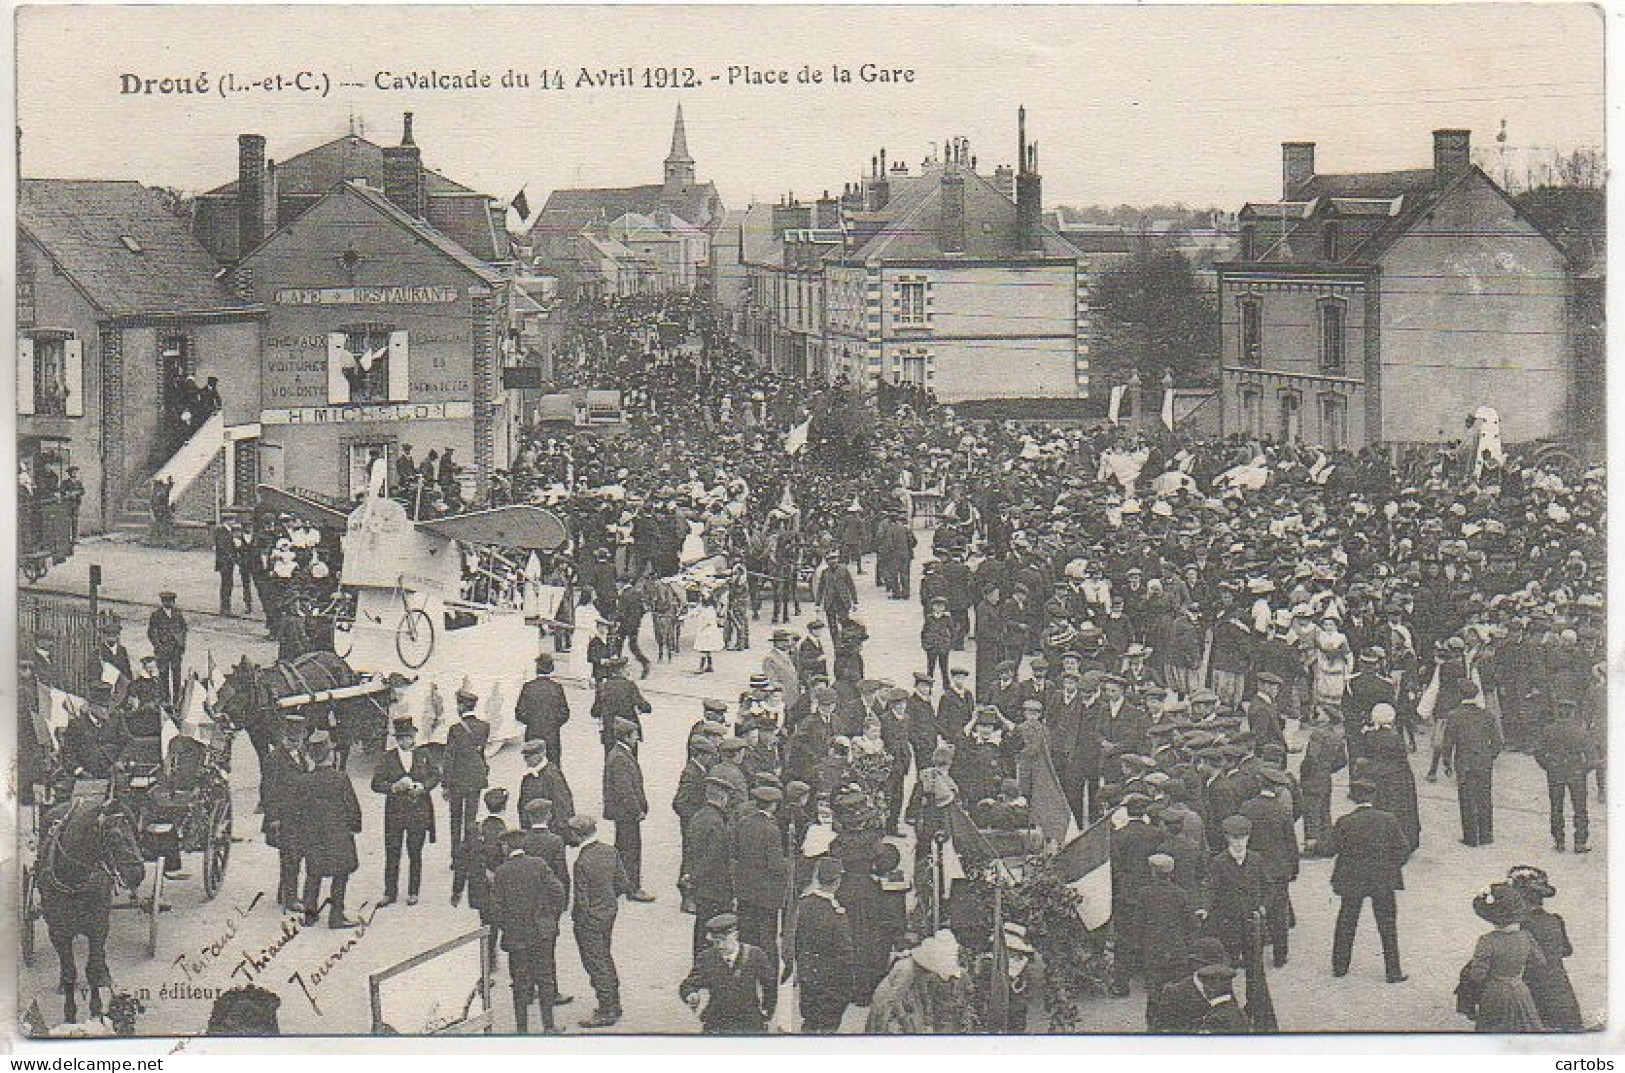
(87, 845)
(248, 698)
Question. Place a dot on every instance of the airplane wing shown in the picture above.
(322, 513)
(518, 526)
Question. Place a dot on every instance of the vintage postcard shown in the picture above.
(808, 521)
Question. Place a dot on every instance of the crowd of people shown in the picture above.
(1185, 639)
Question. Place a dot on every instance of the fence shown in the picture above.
(65, 628)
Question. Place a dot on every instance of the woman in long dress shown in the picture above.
(707, 632)
(1500, 960)
(1549, 984)
(1387, 762)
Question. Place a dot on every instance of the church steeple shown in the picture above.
(679, 165)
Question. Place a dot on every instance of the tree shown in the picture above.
(1150, 315)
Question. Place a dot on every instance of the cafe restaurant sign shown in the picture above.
(384, 411)
(366, 296)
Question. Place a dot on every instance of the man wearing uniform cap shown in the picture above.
(544, 780)
(527, 901)
(625, 804)
(709, 869)
(543, 708)
(741, 992)
(1168, 916)
(760, 872)
(617, 698)
(1274, 840)
(466, 771)
(1263, 717)
(405, 776)
(600, 882)
(328, 821)
(166, 632)
(688, 800)
(1131, 845)
(825, 960)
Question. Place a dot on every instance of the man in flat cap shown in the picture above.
(1371, 852)
(1185, 1006)
(625, 804)
(544, 780)
(543, 708)
(617, 698)
(740, 991)
(166, 632)
(405, 776)
(708, 874)
(1263, 716)
(527, 901)
(1169, 927)
(600, 883)
(1239, 883)
(466, 772)
(761, 872)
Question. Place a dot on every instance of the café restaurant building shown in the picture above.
(379, 332)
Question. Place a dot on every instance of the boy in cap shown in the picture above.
(1239, 885)
(544, 780)
(470, 871)
(740, 991)
(600, 882)
(405, 776)
(937, 639)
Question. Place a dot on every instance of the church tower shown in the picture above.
(679, 165)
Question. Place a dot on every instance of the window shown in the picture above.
(50, 375)
(912, 302)
(1333, 421)
(1332, 318)
(915, 367)
(25, 302)
(1329, 242)
(1251, 417)
(367, 363)
(1252, 333)
(1291, 417)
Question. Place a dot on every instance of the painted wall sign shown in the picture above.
(366, 296)
(389, 411)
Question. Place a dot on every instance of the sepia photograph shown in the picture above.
(796, 521)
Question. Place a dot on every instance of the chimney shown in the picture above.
(1297, 167)
(273, 200)
(250, 192)
(1452, 154)
(951, 226)
(1004, 178)
(880, 185)
(1029, 194)
(827, 213)
(403, 174)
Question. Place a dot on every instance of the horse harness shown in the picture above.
(53, 855)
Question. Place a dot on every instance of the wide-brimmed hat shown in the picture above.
(1502, 904)
(1531, 881)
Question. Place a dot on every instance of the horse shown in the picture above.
(667, 599)
(248, 698)
(85, 848)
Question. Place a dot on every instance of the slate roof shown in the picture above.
(913, 231)
(318, 170)
(567, 212)
(82, 225)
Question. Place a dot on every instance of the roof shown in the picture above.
(318, 170)
(912, 231)
(381, 204)
(1370, 184)
(567, 212)
(82, 225)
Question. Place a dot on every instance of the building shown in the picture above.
(1386, 307)
(379, 331)
(948, 284)
(670, 223)
(117, 306)
(373, 315)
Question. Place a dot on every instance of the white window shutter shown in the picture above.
(25, 376)
(338, 388)
(74, 375)
(400, 380)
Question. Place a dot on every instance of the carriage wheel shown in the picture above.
(414, 638)
(29, 911)
(217, 847)
(155, 907)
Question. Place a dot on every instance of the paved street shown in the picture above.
(215, 945)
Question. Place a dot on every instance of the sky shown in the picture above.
(1134, 105)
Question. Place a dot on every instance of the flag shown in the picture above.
(1048, 803)
(973, 849)
(1085, 865)
(797, 439)
(1168, 409)
(521, 205)
(1114, 405)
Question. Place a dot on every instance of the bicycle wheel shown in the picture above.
(414, 638)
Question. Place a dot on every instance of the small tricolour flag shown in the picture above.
(521, 204)
(1085, 865)
(1050, 808)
